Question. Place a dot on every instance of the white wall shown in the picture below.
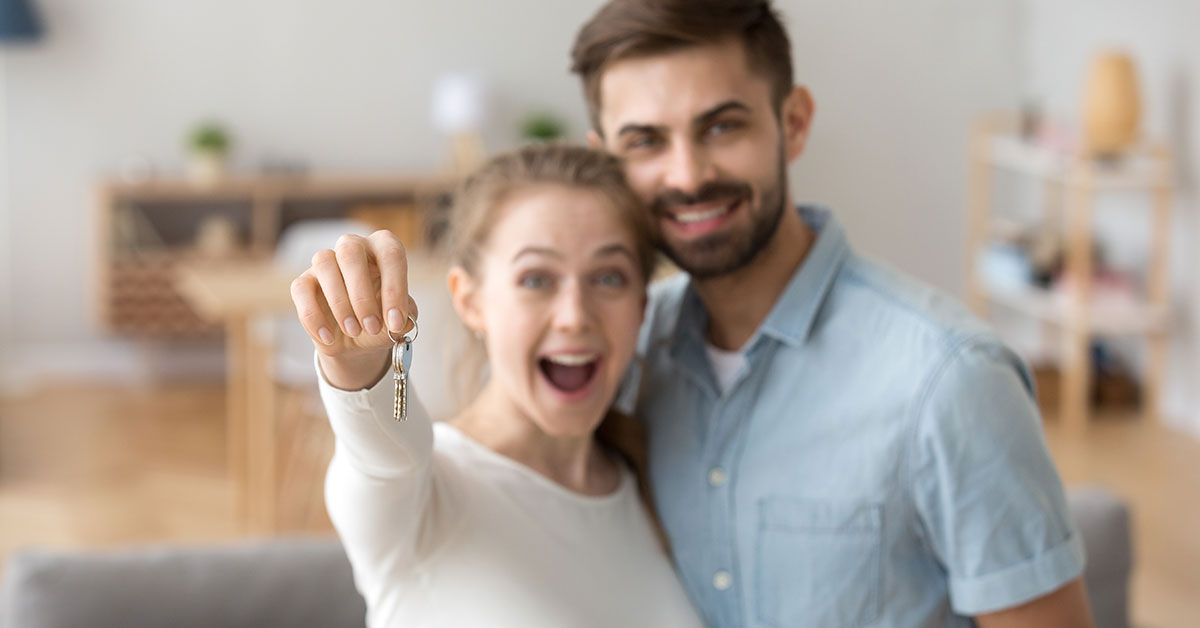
(344, 85)
(1061, 38)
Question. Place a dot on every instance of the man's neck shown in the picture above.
(740, 301)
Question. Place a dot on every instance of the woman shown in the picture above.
(513, 513)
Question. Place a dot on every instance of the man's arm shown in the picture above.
(1064, 608)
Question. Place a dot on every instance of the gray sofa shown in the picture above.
(304, 583)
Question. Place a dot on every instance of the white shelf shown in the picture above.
(1107, 316)
(1139, 171)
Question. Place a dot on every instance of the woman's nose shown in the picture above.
(572, 311)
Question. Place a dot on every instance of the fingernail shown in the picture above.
(352, 328)
(395, 321)
(326, 335)
(372, 325)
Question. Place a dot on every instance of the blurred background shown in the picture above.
(167, 167)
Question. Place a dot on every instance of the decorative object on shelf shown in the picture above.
(209, 144)
(1111, 105)
(457, 109)
(19, 21)
(542, 127)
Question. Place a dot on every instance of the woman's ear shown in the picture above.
(463, 294)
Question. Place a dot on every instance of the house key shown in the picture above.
(401, 360)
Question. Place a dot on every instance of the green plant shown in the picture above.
(209, 137)
(542, 127)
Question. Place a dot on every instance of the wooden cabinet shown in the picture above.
(147, 229)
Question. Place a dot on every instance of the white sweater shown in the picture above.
(442, 531)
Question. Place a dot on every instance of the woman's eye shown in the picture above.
(534, 281)
(612, 279)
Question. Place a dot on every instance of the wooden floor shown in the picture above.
(94, 466)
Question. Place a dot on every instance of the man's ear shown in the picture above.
(594, 140)
(464, 296)
(796, 117)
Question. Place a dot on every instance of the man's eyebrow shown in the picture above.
(713, 112)
(537, 250)
(704, 118)
(640, 128)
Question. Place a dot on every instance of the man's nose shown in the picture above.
(689, 168)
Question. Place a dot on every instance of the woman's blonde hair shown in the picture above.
(481, 196)
(477, 206)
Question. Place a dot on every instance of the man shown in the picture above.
(831, 444)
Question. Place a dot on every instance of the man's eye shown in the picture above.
(642, 141)
(723, 127)
(534, 281)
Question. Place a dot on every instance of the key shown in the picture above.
(401, 361)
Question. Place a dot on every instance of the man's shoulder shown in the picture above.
(874, 296)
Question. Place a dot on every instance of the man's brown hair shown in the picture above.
(624, 29)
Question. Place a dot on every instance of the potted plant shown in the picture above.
(542, 127)
(209, 146)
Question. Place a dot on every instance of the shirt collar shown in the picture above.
(794, 313)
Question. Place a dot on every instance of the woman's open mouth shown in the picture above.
(570, 373)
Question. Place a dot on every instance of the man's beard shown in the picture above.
(719, 254)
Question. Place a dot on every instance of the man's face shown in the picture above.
(703, 148)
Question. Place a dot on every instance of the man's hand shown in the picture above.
(1065, 608)
(347, 301)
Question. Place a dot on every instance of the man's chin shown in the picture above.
(707, 262)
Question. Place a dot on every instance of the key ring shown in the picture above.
(414, 331)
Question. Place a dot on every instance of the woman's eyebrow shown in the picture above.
(615, 249)
(537, 250)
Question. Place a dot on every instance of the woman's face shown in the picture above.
(559, 299)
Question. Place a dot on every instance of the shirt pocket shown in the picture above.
(819, 563)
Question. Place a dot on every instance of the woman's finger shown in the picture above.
(329, 276)
(390, 256)
(316, 319)
(354, 260)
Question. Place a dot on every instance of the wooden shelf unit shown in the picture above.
(136, 262)
(1075, 311)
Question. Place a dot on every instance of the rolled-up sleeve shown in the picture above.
(989, 501)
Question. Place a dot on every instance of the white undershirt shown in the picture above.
(726, 366)
(442, 531)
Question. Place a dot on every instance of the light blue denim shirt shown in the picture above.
(878, 462)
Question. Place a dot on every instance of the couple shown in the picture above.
(826, 443)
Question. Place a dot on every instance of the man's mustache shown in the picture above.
(714, 191)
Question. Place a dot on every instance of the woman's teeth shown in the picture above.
(572, 359)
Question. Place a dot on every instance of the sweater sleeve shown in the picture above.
(382, 490)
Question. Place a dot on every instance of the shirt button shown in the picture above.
(722, 580)
(716, 476)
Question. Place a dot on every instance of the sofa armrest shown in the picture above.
(289, 582)
(1103, 521)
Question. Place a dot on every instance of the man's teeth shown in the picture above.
(698, 216)
(572, 359)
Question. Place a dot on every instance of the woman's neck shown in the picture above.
(578, 463)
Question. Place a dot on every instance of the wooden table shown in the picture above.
(244, 295)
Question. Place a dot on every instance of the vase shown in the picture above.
(1111, 105)
(207, 167)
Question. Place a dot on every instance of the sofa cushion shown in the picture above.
(291, 582)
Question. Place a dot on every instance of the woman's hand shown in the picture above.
(349, 299)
